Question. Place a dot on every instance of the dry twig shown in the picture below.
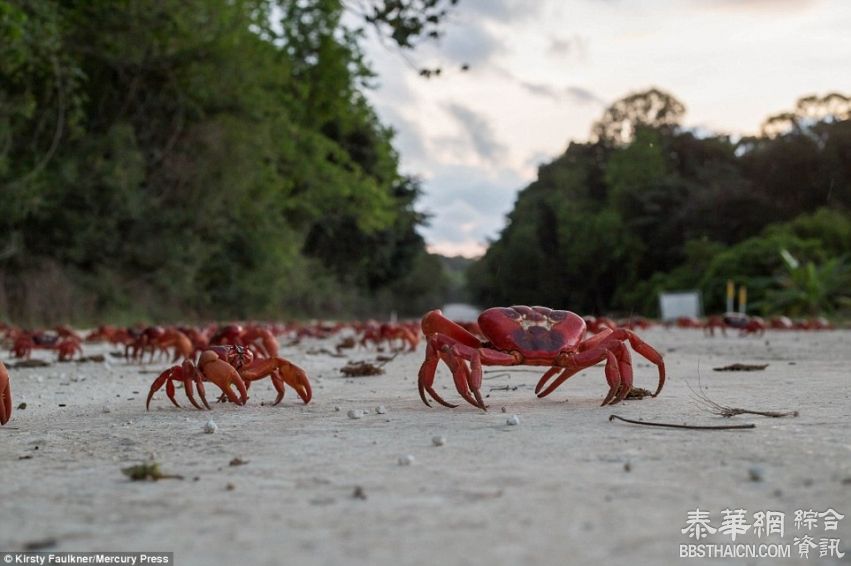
(685, 426)
(742, 367)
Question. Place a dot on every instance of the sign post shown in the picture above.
(731, 294)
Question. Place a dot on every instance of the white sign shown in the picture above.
(674, 305)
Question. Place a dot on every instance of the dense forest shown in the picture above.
(190, 159)
(650, 206)
(185, 158)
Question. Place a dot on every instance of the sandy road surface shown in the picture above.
(565, 486)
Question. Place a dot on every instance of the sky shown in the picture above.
(542, 71)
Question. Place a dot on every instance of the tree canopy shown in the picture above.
(651, 206)
(171, 158)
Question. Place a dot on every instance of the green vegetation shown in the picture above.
(649, 206)
(184, 158)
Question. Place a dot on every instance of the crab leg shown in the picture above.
(613, 377)
(425, 379)
(625, 367)
(618, 365)
(278, 383)
(460, 374)
(646, 350)
(190, 392)
(5, 396)
(156, 385)
(565, 374)
(469, 382)
(575, 364)
(199, 383)
(476, 378)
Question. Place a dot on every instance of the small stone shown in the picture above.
(627, 467)
(337, 408)
(380, 409)
(406, 460)
(359, 493)
(513, 420)
(438, 440)
(230, 487)
(22, 406)
(756, 473)
(210, 427)
(355, 414)
(504, 410)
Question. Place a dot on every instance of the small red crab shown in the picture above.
(231, 365)
(210, 368)
(534, 336)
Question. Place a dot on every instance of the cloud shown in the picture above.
(575, 94)
(408, 138)
(584, 95)
(503, 11)
(479, 131)
(471, 44)
(468, 206)
(540, 89)
(574, 46)
(538, 158)
(771, 6)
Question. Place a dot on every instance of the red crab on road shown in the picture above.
(533, 336)
(231, 365)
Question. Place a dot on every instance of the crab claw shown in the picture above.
(5, 396)
(223, 375)
(296, 378)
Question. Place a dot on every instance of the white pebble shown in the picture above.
(513, 420)
(211, 427)
(380, 409)
(355, 413)
(406, 460)
(438, 440)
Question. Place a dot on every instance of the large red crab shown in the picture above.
(534, 336)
